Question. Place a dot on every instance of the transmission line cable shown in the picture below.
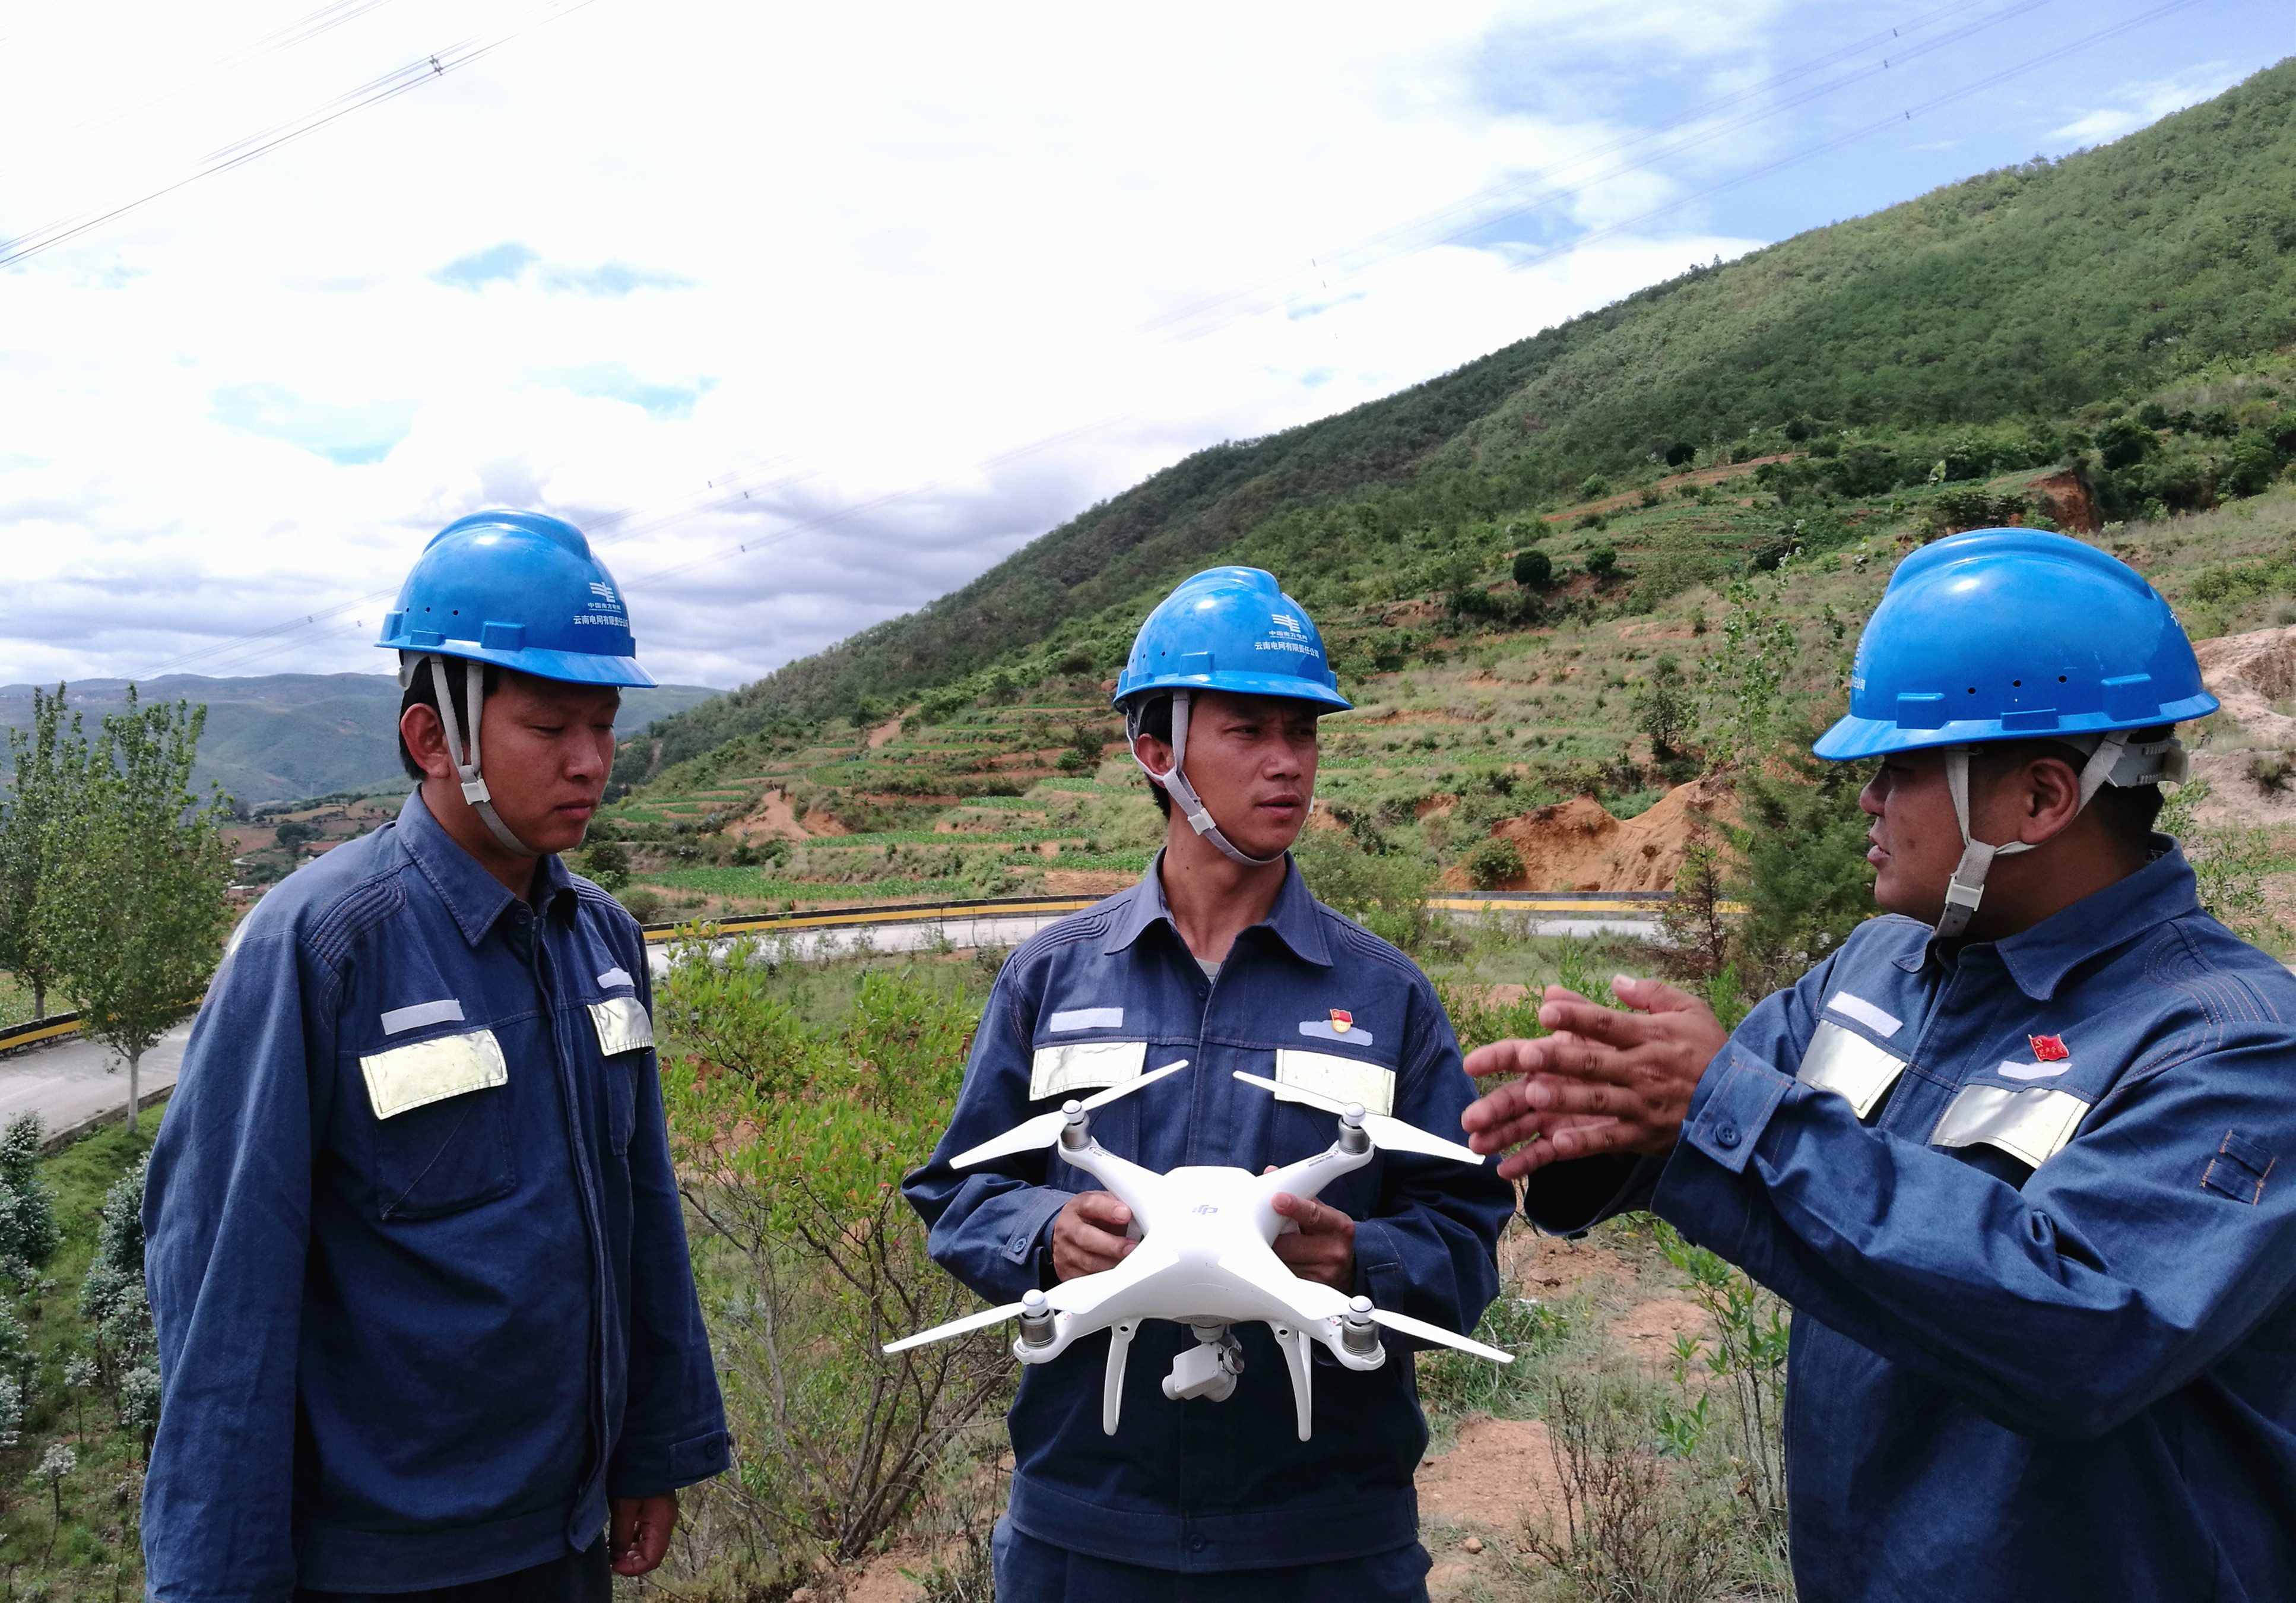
(389, 86)
(325, 20)
(1897, 119)
(1408, 236)
(827, 519)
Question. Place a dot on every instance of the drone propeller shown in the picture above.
(941, 1333)
(1045, 1129)
(1426, 1332)
(1393, 1134)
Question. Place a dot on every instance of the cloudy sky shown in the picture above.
(882, 292)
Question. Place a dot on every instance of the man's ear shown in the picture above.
(1156, 754)
(2050, 799)
(426, 740)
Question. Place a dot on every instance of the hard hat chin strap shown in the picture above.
(1184, 794)
(2113, 760)
(473, 782)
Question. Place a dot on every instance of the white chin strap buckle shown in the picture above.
(2112, 760)
(1184, 794)
(473, 782)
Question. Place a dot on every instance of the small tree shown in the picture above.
(1602, 563)
(28, 1233)
(1668, 713)
(1534, 570)
(111, 1300)
(132, 903)
(50, 759)
(54, 1465)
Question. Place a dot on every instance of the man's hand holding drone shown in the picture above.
(1088, 1237)
(1605, 1082)
(1325, 1249)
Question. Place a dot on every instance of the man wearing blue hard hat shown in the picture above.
(2013, 1153)
(427, 1326)
(1222, 957)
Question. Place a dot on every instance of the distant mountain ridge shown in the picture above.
(2026, 292)
(278, 738)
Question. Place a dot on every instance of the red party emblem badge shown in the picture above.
(1343, 1020)
(2049, 1048)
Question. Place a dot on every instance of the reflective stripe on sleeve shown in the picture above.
(1848, 1065)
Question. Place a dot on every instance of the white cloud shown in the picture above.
(821, 256)
(2134, 105)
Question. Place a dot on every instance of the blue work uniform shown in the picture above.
(2024, 1198)
(414, 1250)
(1306, 998)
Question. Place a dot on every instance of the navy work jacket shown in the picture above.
(1095, 1000)
(413, 1248)
(2025, 1200)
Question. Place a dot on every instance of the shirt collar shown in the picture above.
(1293, 919)
(474, 898)
(2039, 958)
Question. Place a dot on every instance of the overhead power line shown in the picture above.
(1528, 191)
(261, 640)
(1896, 119)
(303, 29)
(449, 59)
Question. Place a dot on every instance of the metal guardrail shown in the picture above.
(33, 1032)
(1615, 904)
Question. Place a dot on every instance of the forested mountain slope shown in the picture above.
(2016, 295)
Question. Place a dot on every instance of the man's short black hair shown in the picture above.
(1156, 718)
(420, 692)
(2127, 811)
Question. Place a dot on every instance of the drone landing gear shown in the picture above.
(1294, 1343)
(1111, 1393)
(1208, 1369)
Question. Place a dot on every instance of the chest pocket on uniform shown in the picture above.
(622, 1026)
(442, 1139)
(1341, 1078)
(1084, 1066)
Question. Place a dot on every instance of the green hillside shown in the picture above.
(1936, 330)
(1717, 475)
(281, 736)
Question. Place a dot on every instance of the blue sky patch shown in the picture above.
(613, 381)
(348, 435)
(496, 263)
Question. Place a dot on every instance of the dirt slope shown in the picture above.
(1577, 845)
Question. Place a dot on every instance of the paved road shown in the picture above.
(1011, 929)
(66, 1082)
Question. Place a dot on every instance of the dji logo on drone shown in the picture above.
(1204, 1208)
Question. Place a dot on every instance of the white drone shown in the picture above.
(1205, 1258)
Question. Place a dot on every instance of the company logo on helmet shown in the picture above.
(604, 592)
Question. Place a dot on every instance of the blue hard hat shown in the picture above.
(518, 589)
(2014, 634)
(1231, 629)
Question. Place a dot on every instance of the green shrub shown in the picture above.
(1494, 863)
(792, 1138)
(28, 1232)
(1533, 569)
(644, 902)
(1385, 892)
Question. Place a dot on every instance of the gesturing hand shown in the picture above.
(1604, 1082)
(1088, 1235)
(1324, 1248)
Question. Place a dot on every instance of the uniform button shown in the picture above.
(1196, 1544)
(1726, 1136)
